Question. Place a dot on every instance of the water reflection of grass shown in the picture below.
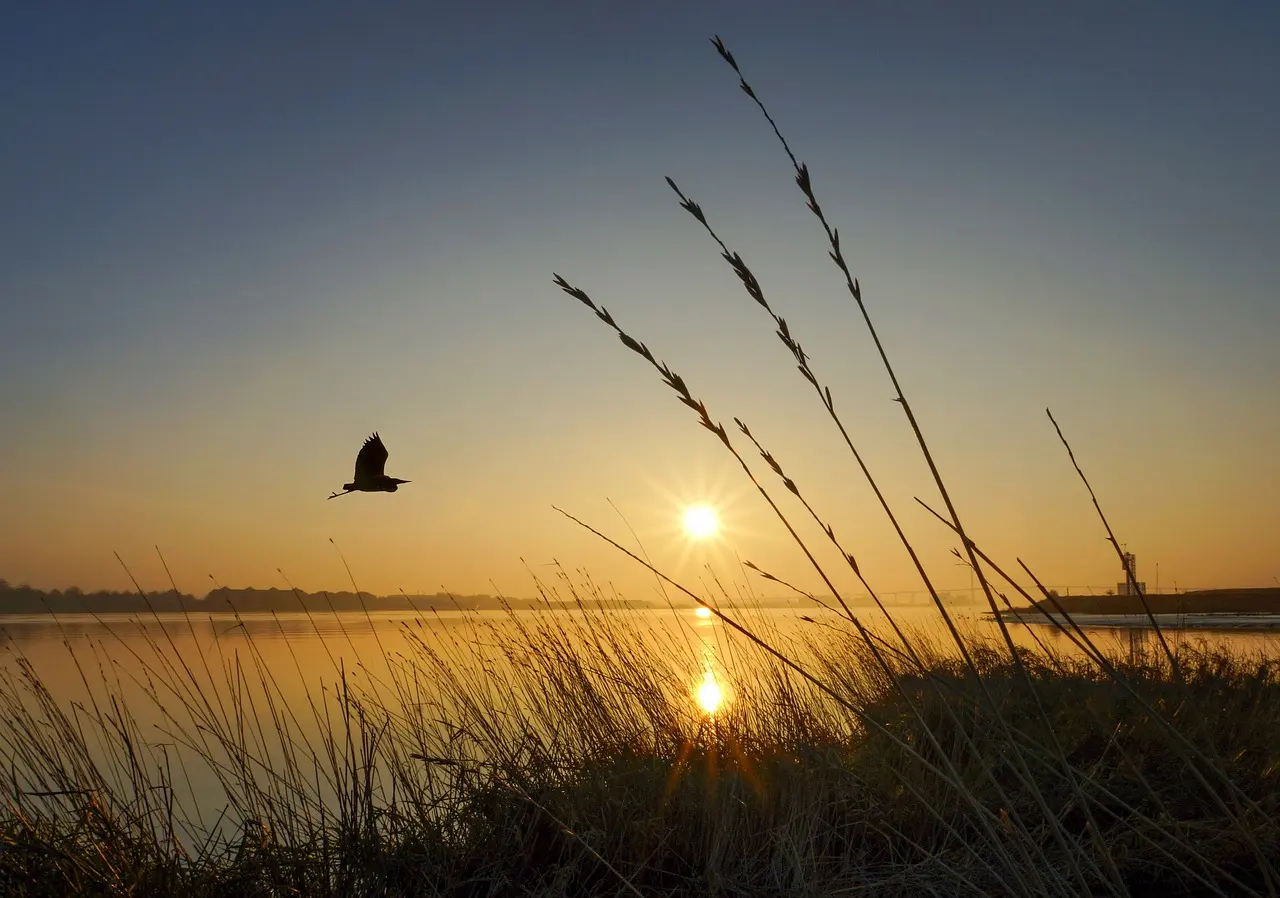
(567, 754)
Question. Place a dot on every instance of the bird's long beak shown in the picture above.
(398, 480)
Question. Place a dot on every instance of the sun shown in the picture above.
(701, 521)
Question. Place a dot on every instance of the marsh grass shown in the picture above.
(560, 752)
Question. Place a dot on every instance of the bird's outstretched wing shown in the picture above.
(372, 459)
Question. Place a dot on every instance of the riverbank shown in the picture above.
(1210, 621)
(1239, 602)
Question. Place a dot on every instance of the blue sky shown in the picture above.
(238, 237)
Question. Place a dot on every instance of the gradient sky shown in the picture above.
(235, 238)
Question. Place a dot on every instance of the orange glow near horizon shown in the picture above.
(199, 333)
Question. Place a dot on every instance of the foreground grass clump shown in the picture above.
(813, 808)
(576, 761)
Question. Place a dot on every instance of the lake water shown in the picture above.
(179, 677)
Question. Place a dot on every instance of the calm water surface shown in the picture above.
(83, 662)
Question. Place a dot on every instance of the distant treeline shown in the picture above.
(28, 600)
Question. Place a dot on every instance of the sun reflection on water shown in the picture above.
(709, 694)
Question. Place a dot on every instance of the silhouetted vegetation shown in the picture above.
(28, 600)
(24, 599)
(574, 760)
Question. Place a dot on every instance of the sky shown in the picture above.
(237, 238)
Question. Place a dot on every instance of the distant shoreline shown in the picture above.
(1211, 621)
(1204, 609)
(27, 601)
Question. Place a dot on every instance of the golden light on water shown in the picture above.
(702, 611)
(701, 521)
(709, 694)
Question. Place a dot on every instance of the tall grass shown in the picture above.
(560, 753)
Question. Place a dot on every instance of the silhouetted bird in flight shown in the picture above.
(369, 478)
